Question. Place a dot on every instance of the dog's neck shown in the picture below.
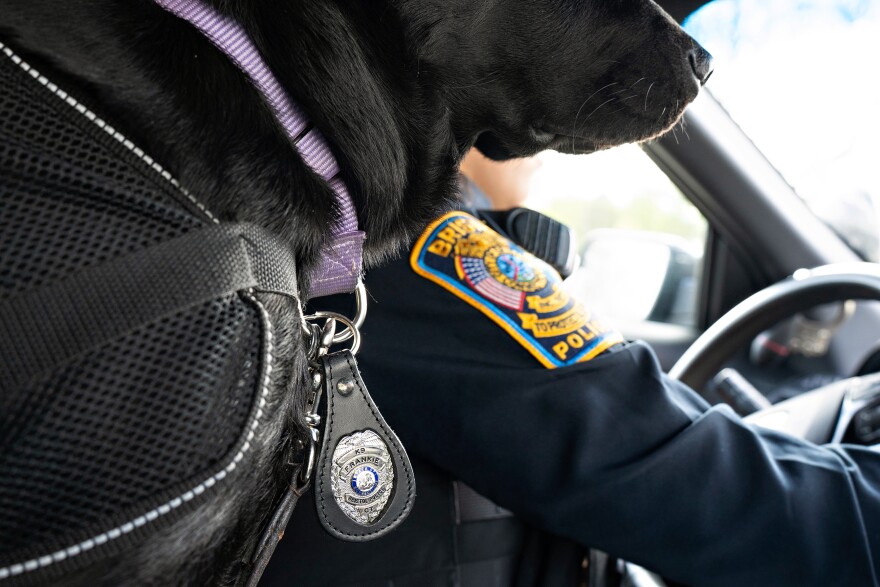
(181, 99)
(339, 268)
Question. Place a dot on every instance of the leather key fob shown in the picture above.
(365, 485)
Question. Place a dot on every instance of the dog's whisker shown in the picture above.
(637, 81)
(647, 94)
(581, 107)
(683, 124)
(661, 114)
(597, 108)
(597, 91)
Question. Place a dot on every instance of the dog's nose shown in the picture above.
(701, 63)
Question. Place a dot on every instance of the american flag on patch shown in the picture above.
(477, 276)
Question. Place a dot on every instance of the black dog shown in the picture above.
(401, 89)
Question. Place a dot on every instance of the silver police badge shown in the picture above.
(362, 476)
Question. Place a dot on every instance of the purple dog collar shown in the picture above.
(339, 269)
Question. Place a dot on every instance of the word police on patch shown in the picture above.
(518, 291)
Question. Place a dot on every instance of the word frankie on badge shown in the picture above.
(362, 476)
(518, 291)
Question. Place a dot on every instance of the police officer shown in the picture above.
(494, 377)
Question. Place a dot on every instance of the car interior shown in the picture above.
(751, 242)
(776, 314)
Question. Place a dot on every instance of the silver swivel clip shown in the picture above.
(321, 337)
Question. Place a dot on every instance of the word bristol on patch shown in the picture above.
(518, 291)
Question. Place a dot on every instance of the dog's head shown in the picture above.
(513, 77)
(521, 76)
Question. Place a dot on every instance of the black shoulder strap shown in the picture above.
(273, 531)
(46, 327)
(550, 240)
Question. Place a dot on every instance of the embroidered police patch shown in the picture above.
(518, 291)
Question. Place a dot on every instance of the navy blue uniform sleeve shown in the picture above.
(613, 454)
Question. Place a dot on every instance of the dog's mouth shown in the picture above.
(616, 120)
(493, 146)
(580, 145)
(498, 147)
(574, 145)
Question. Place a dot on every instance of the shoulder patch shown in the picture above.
(515, 289)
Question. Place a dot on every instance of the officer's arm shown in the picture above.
(606, 454)
(610, 452)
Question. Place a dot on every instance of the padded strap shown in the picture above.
(46, 327)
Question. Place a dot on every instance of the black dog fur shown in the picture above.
(402, 89)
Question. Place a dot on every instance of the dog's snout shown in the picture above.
(701, 63)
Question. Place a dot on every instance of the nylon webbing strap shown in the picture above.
(46, 327)
(340, 266)
(273, 532)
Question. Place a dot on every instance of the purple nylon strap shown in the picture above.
(341, 261)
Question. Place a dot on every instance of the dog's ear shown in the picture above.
(353, 69)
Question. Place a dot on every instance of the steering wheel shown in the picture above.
(822, 415)
(804, 290)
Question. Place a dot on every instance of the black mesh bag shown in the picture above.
(133, 353)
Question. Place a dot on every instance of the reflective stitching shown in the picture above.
(124, 141)
(106, 128)
(86, 545)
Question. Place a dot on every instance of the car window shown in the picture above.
(640, 240)
(798, 77)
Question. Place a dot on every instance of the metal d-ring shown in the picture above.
(360, 298)
(320, 341)
(350, 325)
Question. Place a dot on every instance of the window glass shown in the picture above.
(799, 78)
(640, 240)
